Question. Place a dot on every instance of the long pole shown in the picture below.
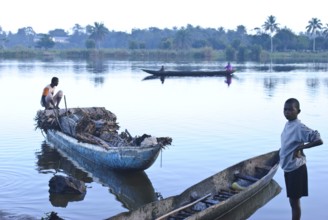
(65, 105)
(69, 124)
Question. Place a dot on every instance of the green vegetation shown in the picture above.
(207, 54)
(270, 42)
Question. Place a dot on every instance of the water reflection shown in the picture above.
(312, 83)
(228, 78)
(96, 65)
(62, 200)
(281, 67)
(131, 189)
(270, 85)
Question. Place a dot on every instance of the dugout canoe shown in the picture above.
(215, 197)
(200, 73)
(108, 149)
(126, 158)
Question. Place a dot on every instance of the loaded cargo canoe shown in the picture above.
(126, 158)
(215, 197)
(91, 133)
(168, 73)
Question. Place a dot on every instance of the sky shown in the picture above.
(125, 15)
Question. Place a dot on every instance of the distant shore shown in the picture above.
(205, 54)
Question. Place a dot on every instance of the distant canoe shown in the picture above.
(200, 73)
(216, 196)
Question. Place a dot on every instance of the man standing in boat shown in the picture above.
(228, 67)
(48, 99)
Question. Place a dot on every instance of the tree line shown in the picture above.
(237, 44)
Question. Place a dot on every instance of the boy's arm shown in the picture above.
(310, 144)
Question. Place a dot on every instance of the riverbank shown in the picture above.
(202, 54)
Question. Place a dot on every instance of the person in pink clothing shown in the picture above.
(228, 67)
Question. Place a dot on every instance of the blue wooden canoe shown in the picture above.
(114, 152)
(200, 73)
(126, 158)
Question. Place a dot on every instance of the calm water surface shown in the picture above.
(213, 126)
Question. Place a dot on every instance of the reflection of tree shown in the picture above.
(99, 80)
(96, 66)
(312, 83)
(326, 82)
(270, 84)
(284, 68)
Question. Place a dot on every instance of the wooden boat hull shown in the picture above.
(211, 186)
(127, 158)
(246, 209)
(189, 73)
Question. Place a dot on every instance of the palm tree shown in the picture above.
(182, 39)
(241, 32)
(325, 31)
(98, 32)
(313, 29)
(272, 26)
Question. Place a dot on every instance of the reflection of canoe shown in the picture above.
(132, 189)
(189, 73)
(111, 151)
(215, 196)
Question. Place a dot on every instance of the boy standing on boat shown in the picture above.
(294, 139)
(48, 99)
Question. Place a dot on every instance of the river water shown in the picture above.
(213, 125)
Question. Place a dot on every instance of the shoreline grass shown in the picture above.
(203, 54)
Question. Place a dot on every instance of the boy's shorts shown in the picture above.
(297, 183)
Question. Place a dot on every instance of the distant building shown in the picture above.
(62, 40)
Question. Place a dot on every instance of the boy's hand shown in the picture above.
(297, 154)
(299, 151)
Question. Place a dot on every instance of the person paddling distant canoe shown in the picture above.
(48, 99)
(228, 67)
(162, 69)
